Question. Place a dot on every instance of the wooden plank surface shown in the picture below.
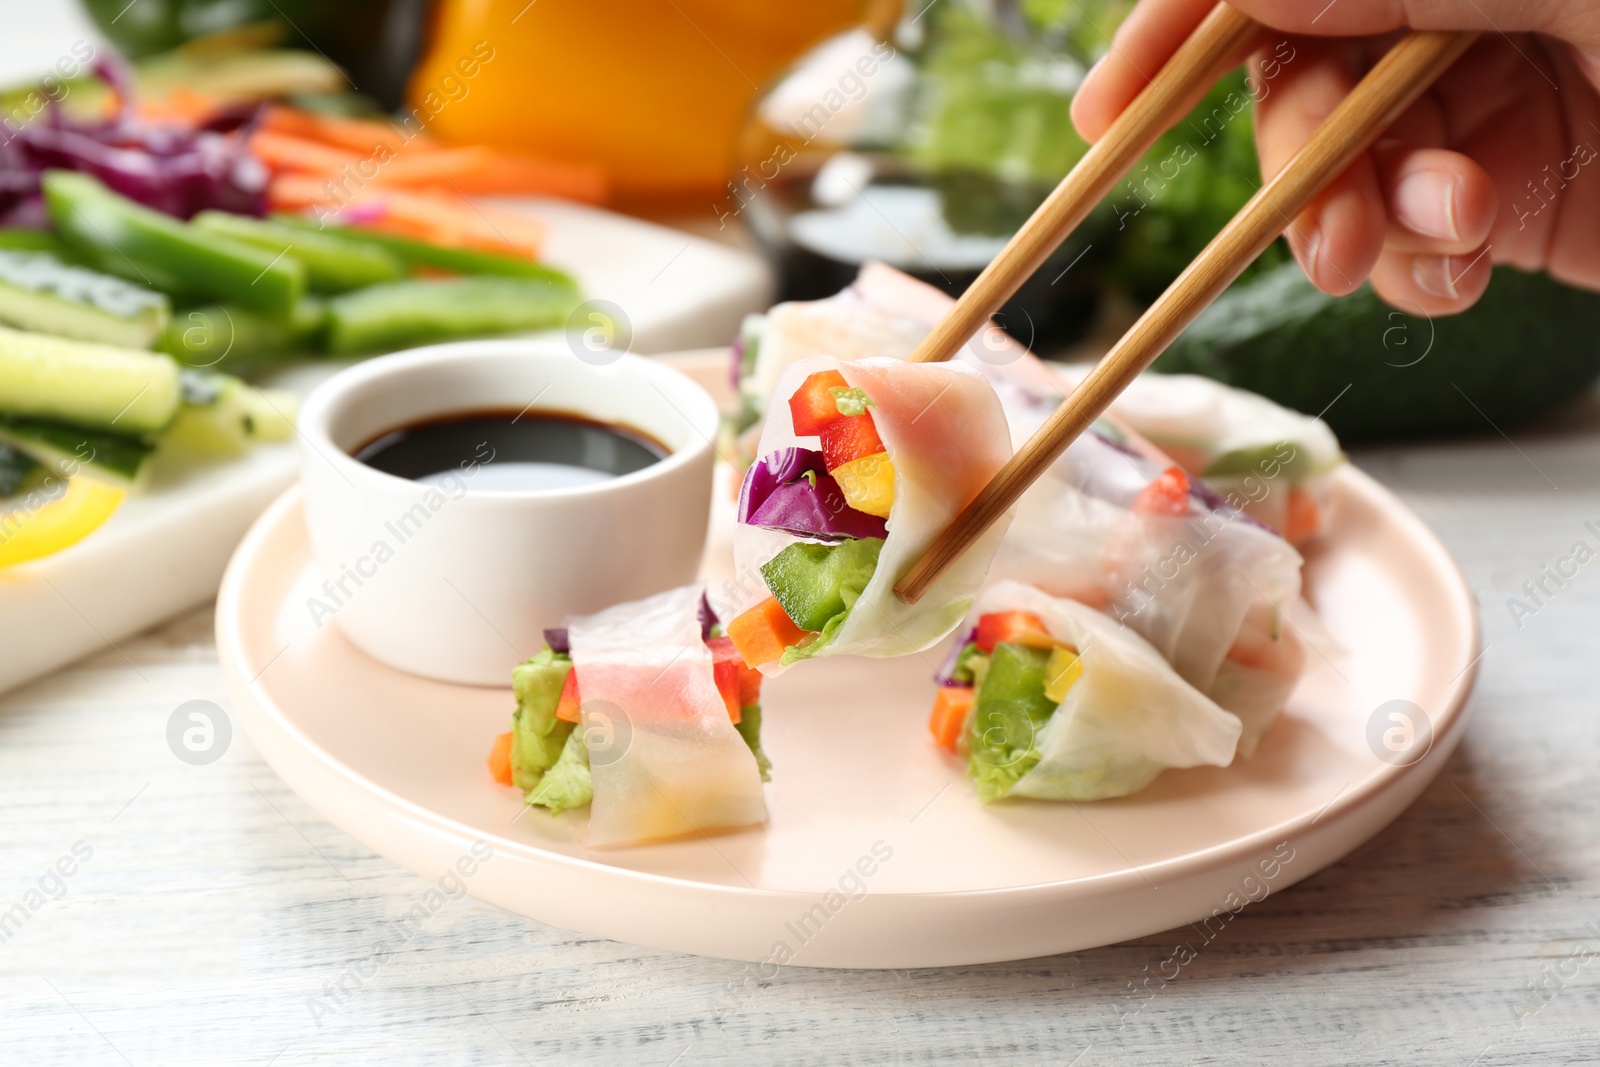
(219, 920)
(216, 917)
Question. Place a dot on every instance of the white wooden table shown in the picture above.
(218, 920)
(218, 916)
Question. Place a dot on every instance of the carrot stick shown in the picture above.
(300, 141)
(1304, 518)
(950, 707)
(282, 152)
(481, 171)
(500, 759)
(445, 218)
(355, 135)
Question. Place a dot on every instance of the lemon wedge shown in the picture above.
(34, 526)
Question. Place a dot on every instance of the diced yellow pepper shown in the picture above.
(1063, 669)
(867, 483)
(38, 526)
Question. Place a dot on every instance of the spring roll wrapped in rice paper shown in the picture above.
(861, 465)
(1206, 586)
(1273, 463)
(642, 714)
(1218, 616)
(1110, 524)
(1059, 702)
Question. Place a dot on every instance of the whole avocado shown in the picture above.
(1381, 374)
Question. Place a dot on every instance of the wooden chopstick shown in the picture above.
(1212, 48)
(1387, 90)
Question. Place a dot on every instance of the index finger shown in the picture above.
(1140, 47)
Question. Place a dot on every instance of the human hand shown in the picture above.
(1497, 163)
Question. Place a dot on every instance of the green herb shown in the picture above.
(851, 402)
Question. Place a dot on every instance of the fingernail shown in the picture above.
(1437, 275)
(1313, 250)
(1425, 204)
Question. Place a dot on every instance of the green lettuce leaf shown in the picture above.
(537, 736)
(567, 784)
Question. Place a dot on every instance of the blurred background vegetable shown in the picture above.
(921, 135)
(375, 42)
(926, 142)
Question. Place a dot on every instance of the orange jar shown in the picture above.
(654, 91)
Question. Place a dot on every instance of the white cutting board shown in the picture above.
(164, 551)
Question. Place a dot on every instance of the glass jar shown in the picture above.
(923, 140)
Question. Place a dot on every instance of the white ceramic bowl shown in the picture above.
(456, 583)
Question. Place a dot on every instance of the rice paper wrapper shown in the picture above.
(1194, 586)
(844, 326)
(1128, 718)
(1255, 695)
(1199, 421)
(664, 757)
(946, 435)
(1249, 449)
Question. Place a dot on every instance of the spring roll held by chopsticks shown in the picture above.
(1386, 91)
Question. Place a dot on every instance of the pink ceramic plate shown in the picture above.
(877, 853)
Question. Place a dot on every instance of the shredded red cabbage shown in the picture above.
(791, 490)
(708, 617)
(171, 168)
(736, 363)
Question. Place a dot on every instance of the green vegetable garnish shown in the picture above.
(567, 784)
(537, 736)
(851, 402)
(749, 727)
(1009, 713)
(817, 583)
(15, 468)
(963, 670)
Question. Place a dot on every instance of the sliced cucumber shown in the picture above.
(70, 450)
(39, 292)
(225, 416)
(120, 390)
(15, 467)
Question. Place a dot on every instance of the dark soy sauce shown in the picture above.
(511, 451)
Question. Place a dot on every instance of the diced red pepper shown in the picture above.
(812, 407)
(569, 707)
(850, 437)
(749, 685)
(1167, 494)
(1012, 628)
(726, 663)
(500, 759)
(950, 707)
